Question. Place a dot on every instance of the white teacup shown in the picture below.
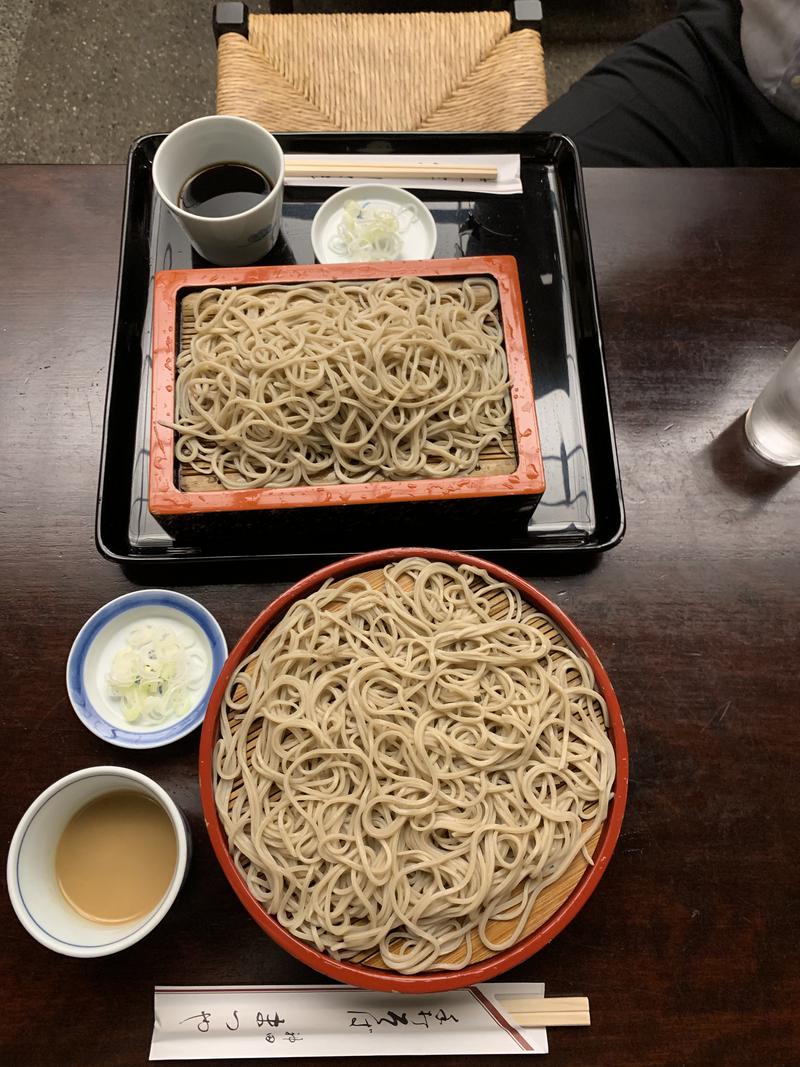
(31, 871)
(234, 240)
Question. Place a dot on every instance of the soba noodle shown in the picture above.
(397, 767)
(342, 382)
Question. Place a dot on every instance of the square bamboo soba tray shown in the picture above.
(507, 482)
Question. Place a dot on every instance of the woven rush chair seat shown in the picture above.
(423, 71)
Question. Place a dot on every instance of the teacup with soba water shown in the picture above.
(97, 861)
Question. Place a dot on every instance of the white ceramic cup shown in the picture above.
(31, 874)
(235, 240)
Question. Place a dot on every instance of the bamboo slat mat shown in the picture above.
(493, 460)
(552, 897)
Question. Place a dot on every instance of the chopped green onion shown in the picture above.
(157, 675)
(369, 231)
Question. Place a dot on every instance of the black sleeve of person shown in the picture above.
(679, 96)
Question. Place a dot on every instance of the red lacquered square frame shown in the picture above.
(166, 498)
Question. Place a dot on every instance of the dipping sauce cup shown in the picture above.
(231, 240)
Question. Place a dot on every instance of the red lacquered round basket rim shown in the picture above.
(372, 977)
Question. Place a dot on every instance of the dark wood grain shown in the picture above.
(688, 949)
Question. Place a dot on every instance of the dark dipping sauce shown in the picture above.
(224, 189)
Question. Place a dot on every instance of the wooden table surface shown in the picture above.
(688, 949)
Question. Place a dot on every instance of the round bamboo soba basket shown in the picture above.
(555, 907)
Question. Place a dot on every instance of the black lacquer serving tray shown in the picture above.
(544, 227)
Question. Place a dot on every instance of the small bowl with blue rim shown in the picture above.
(129, 620)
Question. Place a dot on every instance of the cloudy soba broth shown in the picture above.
(116, 857)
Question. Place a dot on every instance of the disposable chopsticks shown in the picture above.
(323, 168)
(548, 1011)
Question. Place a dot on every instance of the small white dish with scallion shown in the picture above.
(141, 670)
(368, 223)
